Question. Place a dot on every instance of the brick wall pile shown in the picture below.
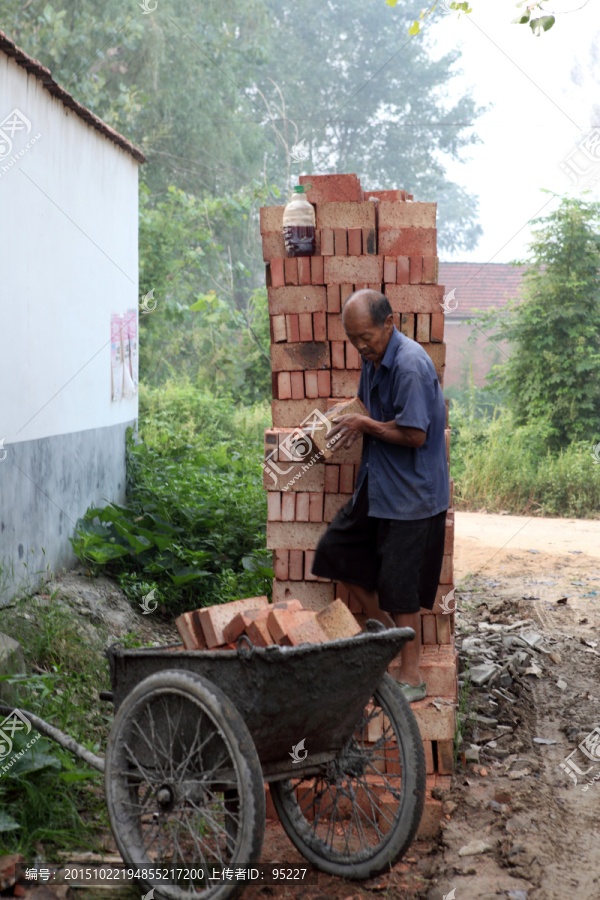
(387, 243)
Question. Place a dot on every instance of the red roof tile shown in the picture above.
(42, 74)
(482, 286)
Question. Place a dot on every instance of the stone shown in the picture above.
(475, 848)
(7, 868)
(481, 674)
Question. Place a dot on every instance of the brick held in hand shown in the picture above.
(190, 629)
(337, 621)
(215, 618)
(281, 621)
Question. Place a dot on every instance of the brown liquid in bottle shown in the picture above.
(299, 240)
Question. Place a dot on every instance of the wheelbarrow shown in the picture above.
(196, 735)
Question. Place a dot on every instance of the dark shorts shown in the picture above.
(401, 560)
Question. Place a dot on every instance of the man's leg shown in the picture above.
(409, 659)
(370, 604)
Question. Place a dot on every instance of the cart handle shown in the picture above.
(245, 653)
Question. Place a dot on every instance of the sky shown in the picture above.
(537, 118)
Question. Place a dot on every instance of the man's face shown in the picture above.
(370, 340)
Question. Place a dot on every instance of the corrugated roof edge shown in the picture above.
(36, 68)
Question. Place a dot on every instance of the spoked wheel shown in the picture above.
(360, 815)
(184, 787)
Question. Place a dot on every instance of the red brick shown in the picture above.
(435, 352)
(258, 632)
(327, 246)
(333, 504)
(335, 328)
(402, 270)
(428, 748)
(346, 215)
(429, 630)
(309, 556)
(273, 246)
(444, 633)
(394, 195)
(409, 298)
(190, 630)
(376, 287)
(281, 621)
(446, 573)
(311, 384)
(271, 442)
(312, 595)
(437, 328)
(451, 492)
(291, 270)
(406, 215)
(332, 188)
(304, 355)
(423, 323)
(333, 298)
(346, 478)
(429, 826)
(447, 434)
(287, 413)
(345, 291)
(307, 632)
(320, 326)
(407, 241)
(293, 300)
(434, 724)
(337, 621)
(288, 507)
(303, 270)
(352, 269)
(353, 357)
(302, 506)
(430, 269)
(278, 329)
(277, 273)
(240, 623)
(332, 479)
(316, 270)
(354, 241)
(416, 269)
(439, 674)
(324, 383)
(369, 241)
(305, 327)
(338, 360)
(340, 239)
(296, 564)
(284, 386)
(292, 329)
(316, 507)
(344, 384)
(445, 757)
(271, 219)
(407, 325)
(281, 564)
(274, 506)
(297, 382)
(389, 269)
(215, 618)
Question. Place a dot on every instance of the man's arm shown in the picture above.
(354, 425)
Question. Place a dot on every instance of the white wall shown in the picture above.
(68, 259)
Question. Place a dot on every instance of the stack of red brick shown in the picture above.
(386, 241)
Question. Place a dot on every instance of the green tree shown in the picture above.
(553, 373)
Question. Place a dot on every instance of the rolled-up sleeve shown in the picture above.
(413, 399)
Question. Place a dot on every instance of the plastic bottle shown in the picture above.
(299, 224)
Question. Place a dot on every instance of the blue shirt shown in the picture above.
(404, 482)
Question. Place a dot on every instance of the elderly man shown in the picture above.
(386, 545)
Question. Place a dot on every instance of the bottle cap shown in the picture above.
(301, 188)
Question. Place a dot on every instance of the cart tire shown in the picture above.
(184, 786)
(336, 820)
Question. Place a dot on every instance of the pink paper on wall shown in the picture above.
(116, 357)
(133, 345)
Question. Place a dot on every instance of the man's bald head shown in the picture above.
(368, 322)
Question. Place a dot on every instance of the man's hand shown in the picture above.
(350, 427)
